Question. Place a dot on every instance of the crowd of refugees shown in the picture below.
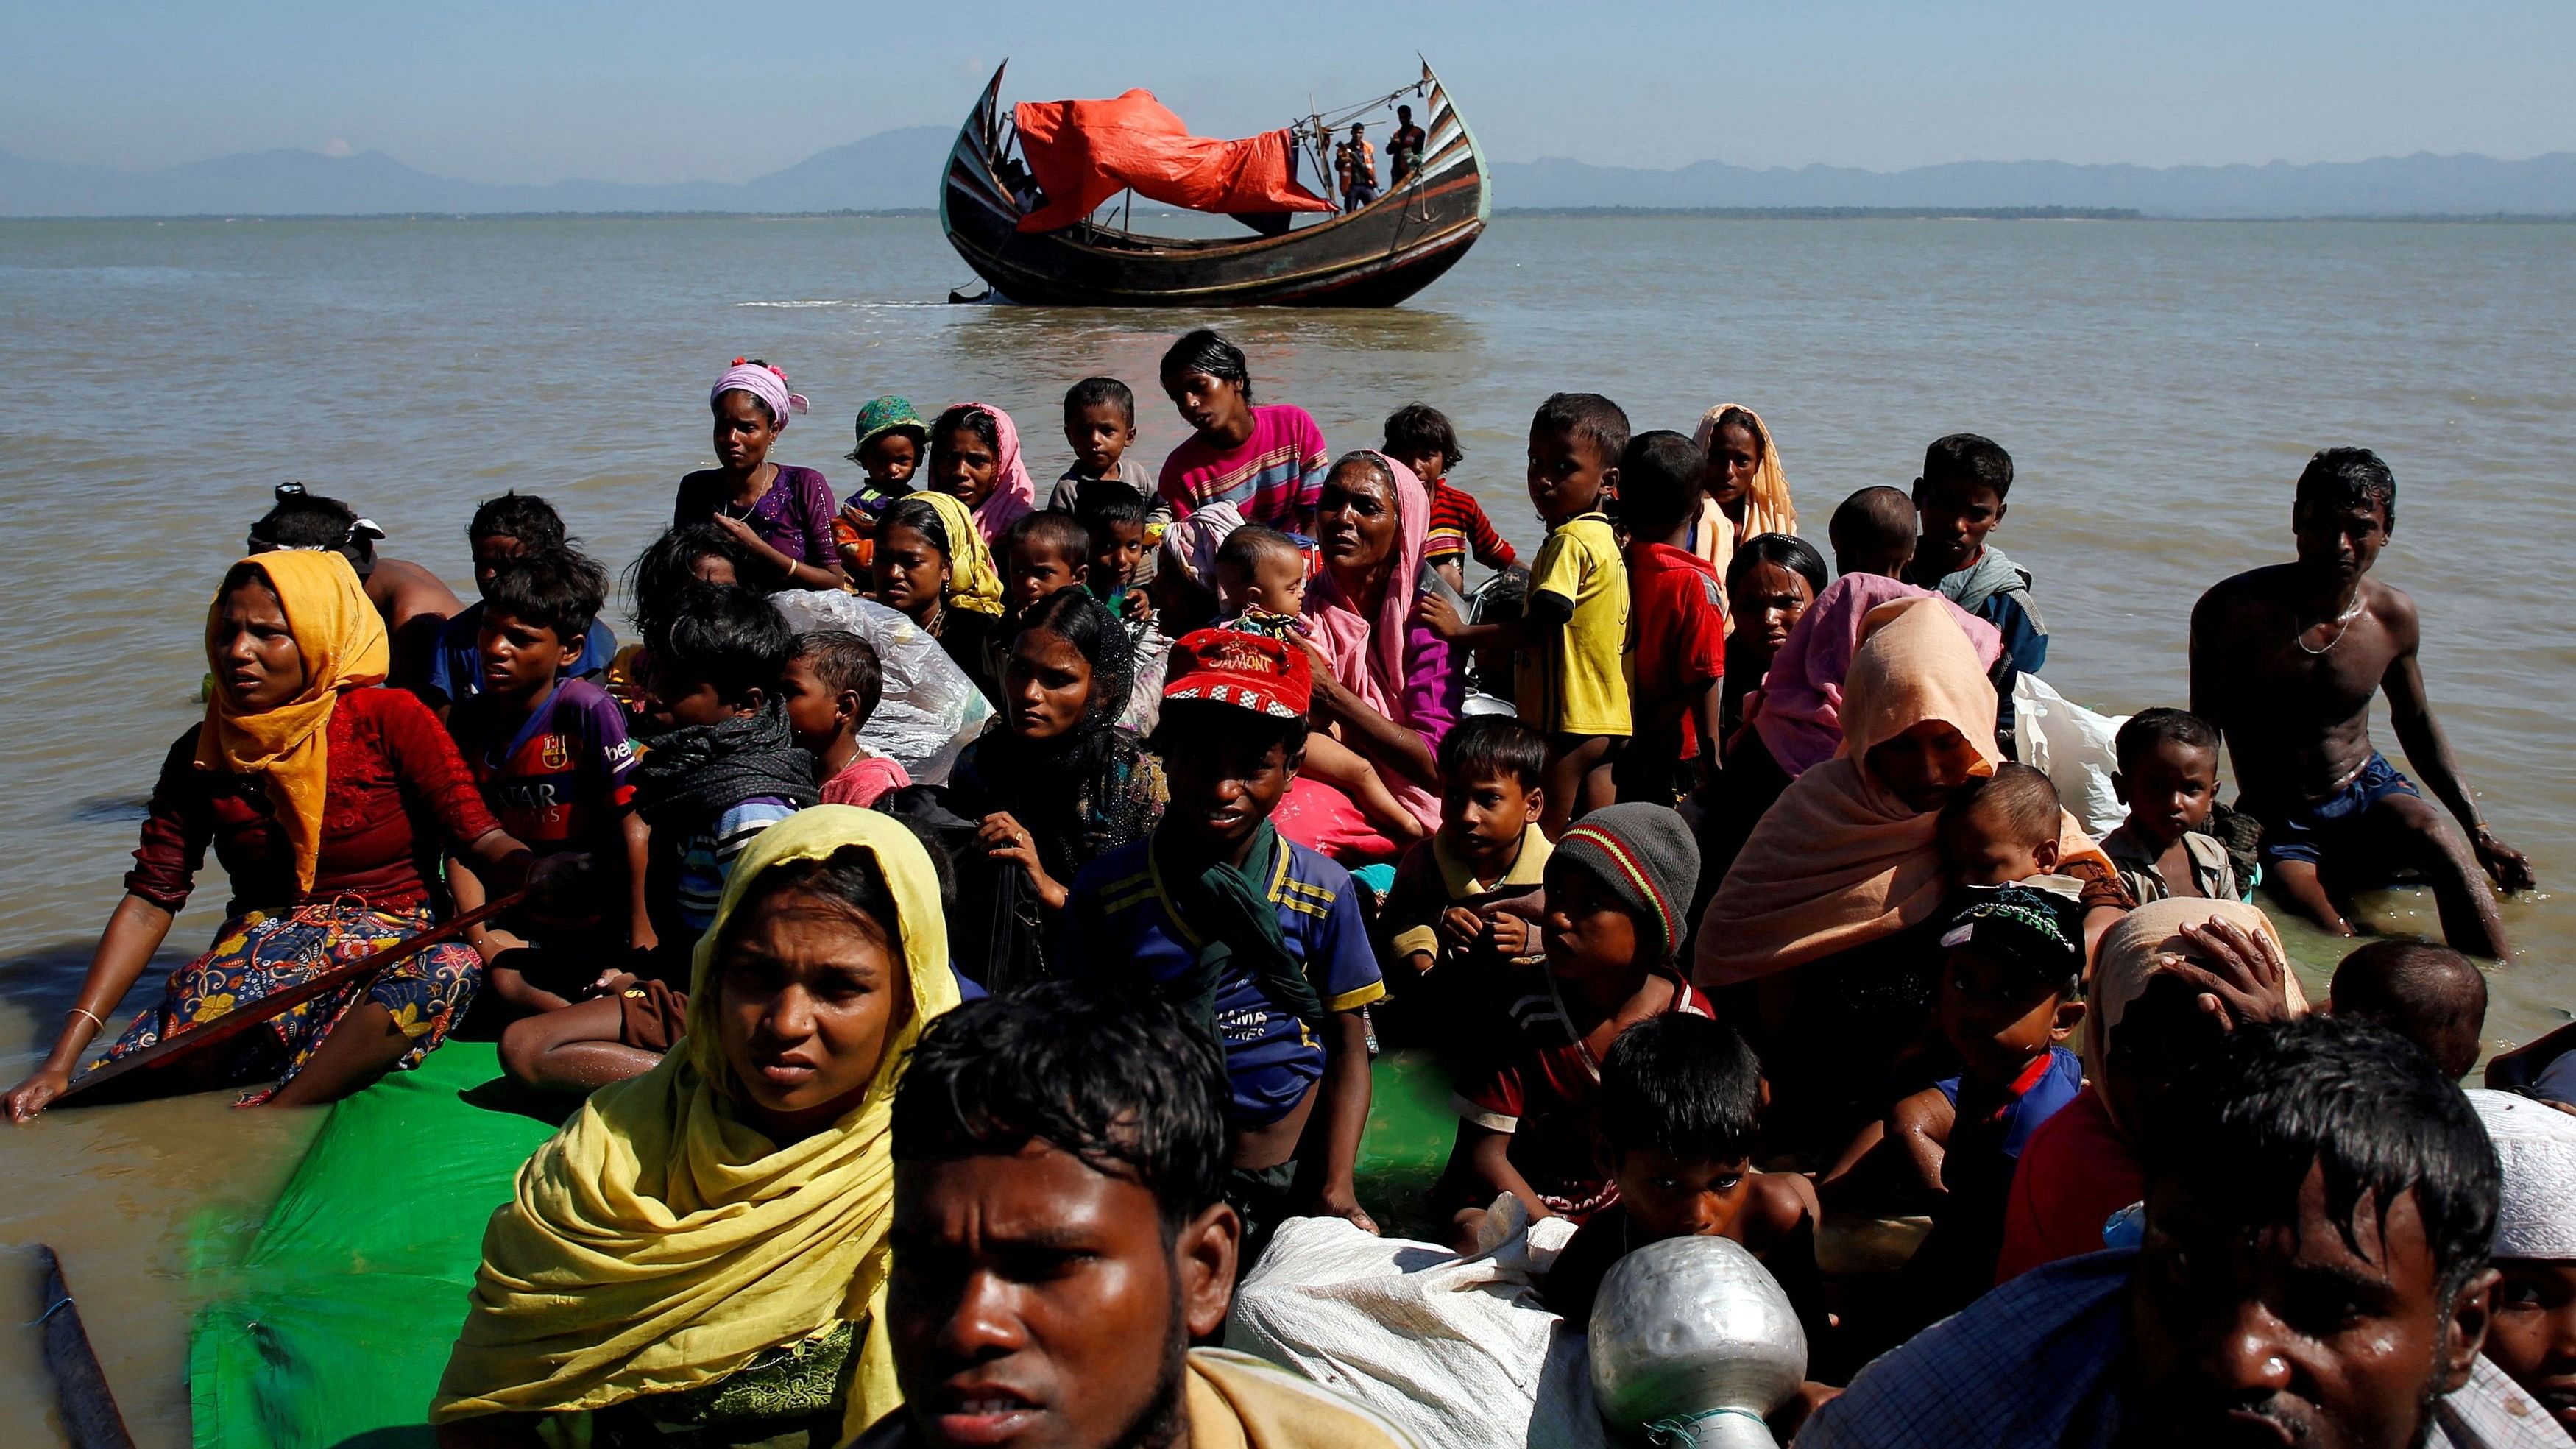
(951, 1110)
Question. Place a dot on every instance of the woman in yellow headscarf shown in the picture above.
(703, 1246)
(1747, 494)
(321, 795)
(933, 568)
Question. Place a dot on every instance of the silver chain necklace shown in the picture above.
(2343, 626)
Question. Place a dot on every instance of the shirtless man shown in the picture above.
(2285, 661)
(412, 599)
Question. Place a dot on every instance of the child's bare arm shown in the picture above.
(1344, 1110)
(1920, 1125)
(1779, 1202)
(1480, 1166)
(1708, 712)
(640, 935)
(1545, 612)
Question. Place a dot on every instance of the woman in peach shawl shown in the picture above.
(1747, 494)
(1845, 866)
(1847, 855)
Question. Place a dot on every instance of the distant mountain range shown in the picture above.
(887, 171)
(900, 170)
(2419, 185)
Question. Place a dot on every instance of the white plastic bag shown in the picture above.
(930, 709)
(2071, 745)
(1456, 1351)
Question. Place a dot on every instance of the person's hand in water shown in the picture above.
(2246, 979)
(2509, 868)
(33, 1095)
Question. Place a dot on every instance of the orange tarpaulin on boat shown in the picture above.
(1085, 152)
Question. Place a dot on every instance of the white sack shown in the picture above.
(1456, 1351)
(2072, 746)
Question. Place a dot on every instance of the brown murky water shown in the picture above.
(2158, 384)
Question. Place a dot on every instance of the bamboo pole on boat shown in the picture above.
(90, 1415)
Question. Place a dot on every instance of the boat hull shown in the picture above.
(1376, 256)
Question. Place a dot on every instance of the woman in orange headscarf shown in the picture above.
(1822, 912)
(1747, 494)
(327, 800)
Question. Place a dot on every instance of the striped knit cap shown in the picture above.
(1645, 855)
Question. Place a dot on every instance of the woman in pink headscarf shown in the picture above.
(781, 514)
(1390, 684)
(975, 454)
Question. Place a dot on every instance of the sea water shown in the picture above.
(2158, 383)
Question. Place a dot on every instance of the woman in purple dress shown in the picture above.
(782, 514)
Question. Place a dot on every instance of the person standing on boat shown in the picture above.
(326, 799)
(1359, 186)
(782, 514)
(1269, 462)
(1404, 148)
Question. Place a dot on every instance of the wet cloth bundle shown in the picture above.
(660, 1241)
(342, 640)
(692, 774)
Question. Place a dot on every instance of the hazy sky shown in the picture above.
(645, 90)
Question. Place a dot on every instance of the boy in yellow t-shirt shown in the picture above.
(1567, 673)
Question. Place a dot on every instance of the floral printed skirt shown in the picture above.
(261, 953)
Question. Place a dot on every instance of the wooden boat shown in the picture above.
(1375, 256)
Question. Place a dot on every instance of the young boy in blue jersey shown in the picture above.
(504, 528)
(1257, 935)
(551, 755)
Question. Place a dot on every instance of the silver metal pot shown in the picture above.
(1693, 1345)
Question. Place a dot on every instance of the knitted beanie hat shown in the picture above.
(1645, 855)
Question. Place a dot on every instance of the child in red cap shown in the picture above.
(1258, 936)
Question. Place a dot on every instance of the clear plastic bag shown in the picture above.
(930, 709)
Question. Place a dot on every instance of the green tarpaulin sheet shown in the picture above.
(348, 1298)
(351, 1293)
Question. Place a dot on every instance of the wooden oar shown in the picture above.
(89, 1410)
(233, 1023)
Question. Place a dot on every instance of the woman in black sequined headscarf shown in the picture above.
(1054, 780)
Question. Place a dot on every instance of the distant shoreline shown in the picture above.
(1575, 213)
